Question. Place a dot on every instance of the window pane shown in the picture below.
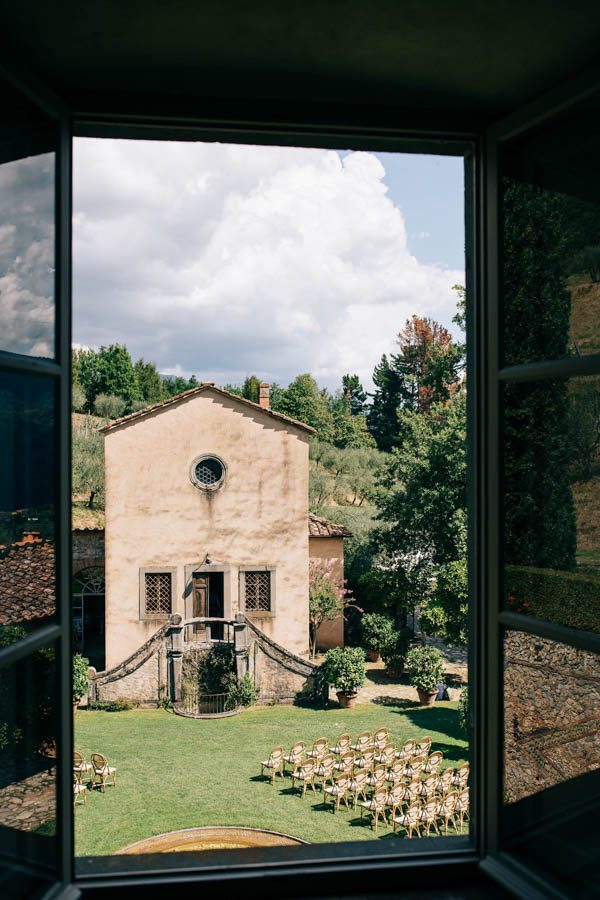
(27, 256)
(552, 501)
(552, 758)
(551, 240)
(28, 731)
(27, 505)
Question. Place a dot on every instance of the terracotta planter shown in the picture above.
(373, 655)
(346, 701)
(427, 698)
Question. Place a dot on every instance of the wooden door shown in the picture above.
(200, 593)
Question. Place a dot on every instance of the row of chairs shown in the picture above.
(89, 774)
(377, 776)
(369, 749)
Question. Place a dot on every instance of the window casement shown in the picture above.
(156, 593)
(257, 591)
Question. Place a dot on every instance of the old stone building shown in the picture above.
(206, 516)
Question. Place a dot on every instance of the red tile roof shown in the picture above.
(319, 527)
(27, 580)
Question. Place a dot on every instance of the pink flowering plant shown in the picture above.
(328, 598)
(514, 604)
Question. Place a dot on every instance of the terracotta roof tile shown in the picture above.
(319, 527)
(27, 581)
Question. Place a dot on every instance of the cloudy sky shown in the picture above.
(224, 260)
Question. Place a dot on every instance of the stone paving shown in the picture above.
(379, 688)
(28, 802)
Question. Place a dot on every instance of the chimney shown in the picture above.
(30, 537)
(263, 395)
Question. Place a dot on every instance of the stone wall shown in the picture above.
(87, 548)
(150, 675)
(277, 673)
(551, 713)
(142, 678)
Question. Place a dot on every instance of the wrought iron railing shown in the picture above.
(196, 704)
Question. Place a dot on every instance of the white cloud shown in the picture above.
(224, 260)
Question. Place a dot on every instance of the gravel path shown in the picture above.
(381, 689)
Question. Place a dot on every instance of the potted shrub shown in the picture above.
(376, 630)
(344, 669)
(80, 678)
(394, 650)
(425, 667)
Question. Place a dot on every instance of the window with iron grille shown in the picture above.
(157, 594)
(208, 473)
(257, 591)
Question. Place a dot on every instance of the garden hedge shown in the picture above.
(565, 598)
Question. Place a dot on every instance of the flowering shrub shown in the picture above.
(327, 598)
(515, 605)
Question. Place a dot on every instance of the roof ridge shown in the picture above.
(203, 386)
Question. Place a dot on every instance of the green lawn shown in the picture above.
(178, 773)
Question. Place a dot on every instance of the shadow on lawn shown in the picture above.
(385, 700)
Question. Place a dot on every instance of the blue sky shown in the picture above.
(430, 193)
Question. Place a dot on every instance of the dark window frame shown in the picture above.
(343, 867)
(145, 571)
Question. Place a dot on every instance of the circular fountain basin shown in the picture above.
(214, 837)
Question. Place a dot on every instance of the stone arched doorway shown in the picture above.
(88, 615)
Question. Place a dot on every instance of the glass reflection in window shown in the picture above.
(27, 256)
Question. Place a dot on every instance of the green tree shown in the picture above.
(234, 389)
(354, 393)
(422, 503)
(107, 371)
(78, 400)
(109, 406)
(88, 463)
(382, 417)
(445, 612)
(172, 385)
(303, 400)
(349, 430)
(250, 388)
(425, 372)
(148, 380)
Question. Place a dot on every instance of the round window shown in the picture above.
(208, 472)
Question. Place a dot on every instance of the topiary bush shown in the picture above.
(425, 667)
(377, 629)
(395, 648)
(344, 668)
(565, 598)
